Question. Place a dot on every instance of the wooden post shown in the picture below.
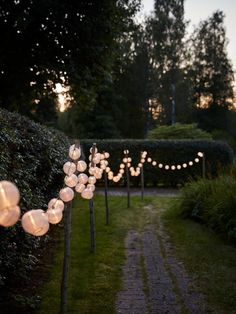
(92, 226)
(127, 185)
(66, 261)
(91, 211)
(142, 183)
(204, 166)
(106, 199)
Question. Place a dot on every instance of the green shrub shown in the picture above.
(212, 202)
(32, 156)
(179, 131)
(218, 155)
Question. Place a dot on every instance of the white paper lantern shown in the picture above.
(79, 187)
(74, 152)
(108, 169)
(93, 149)
(125, 160)
(116, 179)
(81, 166)
(35, 222)
(69, 167)
(190, 163)
(107, 155)
(143, 160)
(196, 159)
(128, 164)
(154, 163)
(184, 165)
(140, 165)
(9, 216)
(122, 166)
(92, 180)
(167, 167)
(178, 167)
(149, 159)
(160, 166)
(9, 194)
(200, 154)
(54, 215)
(126, 151)
(66, 194)
(121, 171)
(83, 178)
(110, 173)
(129, 159)
(103, 167)
(87, 194)
(102, 156)
(98, 175)
(56, 204)
(97, 158)
(91, 187)
(71, 180)
(173, 167)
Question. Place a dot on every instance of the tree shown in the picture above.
(166, 31)
(213, 74)
(213, 70)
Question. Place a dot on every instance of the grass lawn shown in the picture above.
(208, 257)
(94, 278)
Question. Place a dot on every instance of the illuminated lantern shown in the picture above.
(35, 222)
(9, 195)
(116, 179)
(87, 194)
(97, 158)
(160, 166)
(91, 187)
(125, 160)
(142, 160)
(92, 180)
(126, 151)
(200, 154)
(95, 149)
(173, 167)
(74, 152)
(54, 215)
(83, 178)
(140, 165)
(122, 166)
(92, 170)
(103, 167)
(69, 167)
(71, 180)
(190, 163)
(154, 163)
(167, 167)
(184, 165)
(110, 173)
(102, 156)
(128, 164)
(81, 166)
(107, 155)
(122, 171)
(196, 159)
(98, 175)
(9, 216)
(178, 167)
(66, 194)
(79, 187)
(108, 169)
(129, 159)
(56, 204)
(149, 159)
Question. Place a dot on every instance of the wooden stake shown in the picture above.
(66, 261)
(127, 185)
(106, 199)
(142, 183)
(91, 210)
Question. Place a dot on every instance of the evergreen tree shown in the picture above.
(213, 70)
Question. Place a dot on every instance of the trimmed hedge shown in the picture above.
(32, 156)
(218, 155)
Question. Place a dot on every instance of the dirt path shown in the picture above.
(154, 282)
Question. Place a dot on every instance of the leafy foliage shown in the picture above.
(171, 152)
(179, 131)
(32, 156)
(212, 202)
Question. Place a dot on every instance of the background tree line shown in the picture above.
(124, 77)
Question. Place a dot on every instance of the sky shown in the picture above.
(197, 10)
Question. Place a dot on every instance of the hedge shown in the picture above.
(218, 155)
(32, 156)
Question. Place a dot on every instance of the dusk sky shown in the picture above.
(196, 10)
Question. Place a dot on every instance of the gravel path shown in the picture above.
(154, 281)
